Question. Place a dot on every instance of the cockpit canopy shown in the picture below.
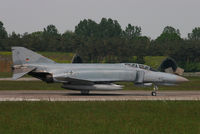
(135, 65)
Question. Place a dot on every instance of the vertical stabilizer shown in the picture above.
(21, 55)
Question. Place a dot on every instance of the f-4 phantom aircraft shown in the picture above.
(88, 77)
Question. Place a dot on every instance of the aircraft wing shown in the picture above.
(73, 81)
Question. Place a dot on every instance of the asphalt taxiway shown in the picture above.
(121, 95)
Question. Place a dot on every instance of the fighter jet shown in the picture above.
(88, 77)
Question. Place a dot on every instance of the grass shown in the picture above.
(28, 85)
(5, 74)
(154, 61)
(193, 84)
(131, 117)
(59, 57)
(5, 53)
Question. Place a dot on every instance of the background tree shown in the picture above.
(195, 35)
(166, 42)
(70, 42)
(14, 39)
(3, 33)
(86, 28)
(51, 30)
(3, 36)
(51, 38)
(107, 42)
(109, 28)
(132, 32)
(169, 34)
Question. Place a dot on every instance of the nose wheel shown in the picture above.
(85, 92)
(155, 89)
(153, 93)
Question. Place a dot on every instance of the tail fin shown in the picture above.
(22, 56)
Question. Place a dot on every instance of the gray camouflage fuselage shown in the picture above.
(87, 76)
(106, 73)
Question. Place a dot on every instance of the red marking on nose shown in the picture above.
(27, 59)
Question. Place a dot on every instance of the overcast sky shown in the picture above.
(152, 15)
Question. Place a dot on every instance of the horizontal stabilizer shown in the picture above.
(21, 71)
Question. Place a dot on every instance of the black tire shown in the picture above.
(85, 92)
(153, 93)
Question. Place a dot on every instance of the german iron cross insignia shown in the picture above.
(27, 59)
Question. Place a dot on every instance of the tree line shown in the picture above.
(106, 41)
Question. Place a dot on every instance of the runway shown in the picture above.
(122, 95)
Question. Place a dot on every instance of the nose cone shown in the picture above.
(180, 79)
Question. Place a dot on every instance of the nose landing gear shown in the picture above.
(85, 92)
(154, 92)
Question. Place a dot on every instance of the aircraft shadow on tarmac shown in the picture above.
(137, 94)
(106, 94)
(79, 94)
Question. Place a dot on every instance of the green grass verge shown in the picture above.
(132, 117)
(5, 74)
(193, 84)
(5, 53)
(28, 85)
(154, 61)
(59, 57)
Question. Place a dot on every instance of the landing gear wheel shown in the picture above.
(85, 92)
(153, 93)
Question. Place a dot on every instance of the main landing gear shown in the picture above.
(85, 92)
(155, 89)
